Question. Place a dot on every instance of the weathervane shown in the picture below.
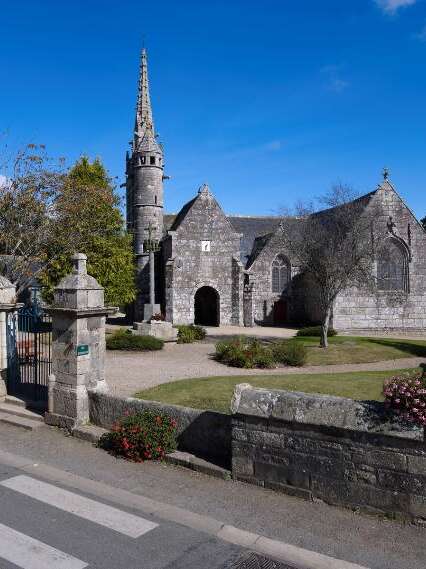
(385, 173)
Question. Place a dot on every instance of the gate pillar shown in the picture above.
(7, 304)
(78, 346)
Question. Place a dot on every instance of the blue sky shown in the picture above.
(269, 102)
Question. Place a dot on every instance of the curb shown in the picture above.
(278, 550)
(92, 434)
(192, 462)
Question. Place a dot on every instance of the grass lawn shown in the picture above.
(215, 393)
(358, 350)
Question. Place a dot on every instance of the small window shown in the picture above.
(143, 160)
(155, 199)
(152, 159)
(281, 274)
(205, 246)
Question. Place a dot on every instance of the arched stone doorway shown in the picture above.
(207, 306)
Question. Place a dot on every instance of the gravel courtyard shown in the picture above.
(128, 372)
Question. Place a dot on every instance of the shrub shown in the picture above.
(125, 340)
(290, 353)
(264, 360)
(187, 334)
(244, 353)
(279, 350)
(315, 331)
(406, 396)
(296, 354)
(142, 436)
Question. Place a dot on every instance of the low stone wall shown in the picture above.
(330, 448)
(204, 433)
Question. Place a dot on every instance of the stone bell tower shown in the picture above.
(144, 192)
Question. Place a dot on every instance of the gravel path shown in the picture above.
(130, 372)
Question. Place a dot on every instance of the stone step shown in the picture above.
(20, 412)
(11, 400)
(21, 422)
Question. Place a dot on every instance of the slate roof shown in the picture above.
(252, 227)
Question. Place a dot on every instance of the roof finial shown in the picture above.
(385, 173)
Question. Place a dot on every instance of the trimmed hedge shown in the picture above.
(187, 334)
(125, 340)
(314, 331)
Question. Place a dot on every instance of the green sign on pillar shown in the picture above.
(82, 350)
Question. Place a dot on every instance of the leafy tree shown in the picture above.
(88, 216)
(29, 185)
(334, 248)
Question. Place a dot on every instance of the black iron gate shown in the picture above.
(29, 349)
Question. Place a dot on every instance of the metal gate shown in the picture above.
(29, 349)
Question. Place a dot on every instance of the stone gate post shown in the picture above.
(78, 346)
(7, 304)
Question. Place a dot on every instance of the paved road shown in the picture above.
(195, 506)
(44, 526)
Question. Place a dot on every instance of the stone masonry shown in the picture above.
(78, 346)
(329, 448)
(231, 258)
(7, 304)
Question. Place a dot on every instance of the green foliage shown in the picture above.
(125, 340)
(187, 334)
(315, 331)
(141, 436)
(250, 353)
(245, 353)
(296, 354)
(90, 222)
(290, 353)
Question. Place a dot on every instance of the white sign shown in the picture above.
(205, 245)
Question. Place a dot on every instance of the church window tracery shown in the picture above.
(281, 274)
(392, 267)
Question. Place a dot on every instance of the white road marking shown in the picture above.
(127, 524)
(28, 553)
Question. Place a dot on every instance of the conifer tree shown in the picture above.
(90, 222)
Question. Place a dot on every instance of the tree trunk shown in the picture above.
(324, 329)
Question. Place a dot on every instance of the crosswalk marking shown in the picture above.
(28, 553)
(127, 524)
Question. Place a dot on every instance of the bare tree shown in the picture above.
(334, 248)
(29, 185)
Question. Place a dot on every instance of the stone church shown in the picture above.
(214, 269)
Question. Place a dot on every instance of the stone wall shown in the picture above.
(390, 310)
(204, 433)
(260, 280)
(190, 267)
(329, 448)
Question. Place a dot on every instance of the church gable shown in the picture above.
(202, 219)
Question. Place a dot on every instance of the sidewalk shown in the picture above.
(366, 540)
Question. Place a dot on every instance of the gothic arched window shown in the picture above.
(281, 274)
(392, 267)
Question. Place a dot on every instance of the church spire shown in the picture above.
(144, 125)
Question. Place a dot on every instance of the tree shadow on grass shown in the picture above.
(414, 350)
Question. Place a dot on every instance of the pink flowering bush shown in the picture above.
(406, 396)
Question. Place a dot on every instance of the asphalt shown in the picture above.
(202, 521)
